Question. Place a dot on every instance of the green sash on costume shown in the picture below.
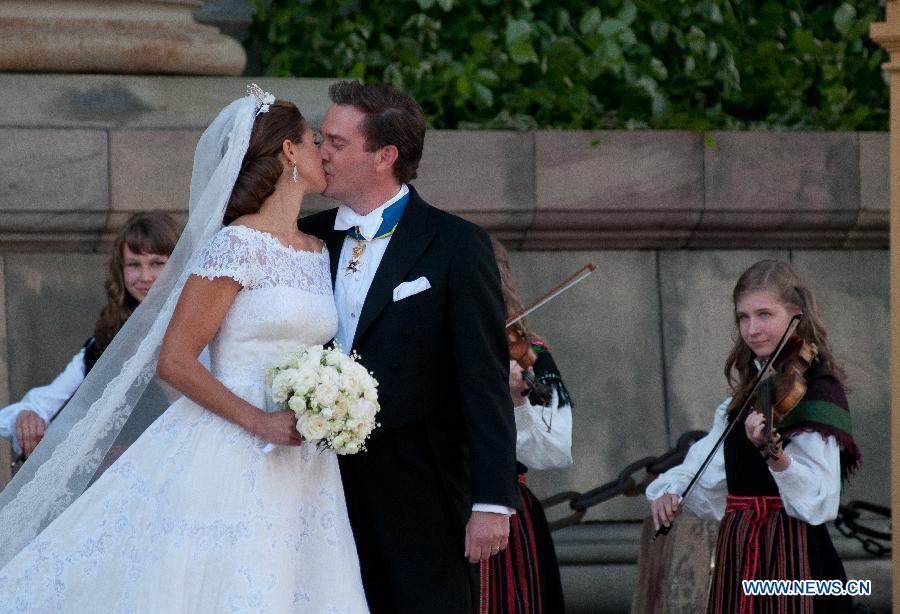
(821, 412)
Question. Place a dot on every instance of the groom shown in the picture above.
(418, 296)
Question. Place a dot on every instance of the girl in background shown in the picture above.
(773, 504)
(139, 253)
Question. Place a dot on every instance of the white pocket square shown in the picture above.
(408, 288)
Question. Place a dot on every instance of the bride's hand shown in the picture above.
(278, 427)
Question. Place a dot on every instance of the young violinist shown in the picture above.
(773, 494)
(524, 578)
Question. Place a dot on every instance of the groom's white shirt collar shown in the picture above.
(369, 223)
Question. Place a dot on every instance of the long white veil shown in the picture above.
(120, 386)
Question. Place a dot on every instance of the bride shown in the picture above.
(200, 514)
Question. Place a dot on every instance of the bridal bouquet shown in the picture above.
(333, 396)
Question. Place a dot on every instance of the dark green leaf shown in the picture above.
(844, 17)
(628, 13)
(590, 21)
(611, 27)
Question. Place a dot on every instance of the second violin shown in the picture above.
(522, 351)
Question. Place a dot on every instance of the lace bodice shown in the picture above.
(286, 301)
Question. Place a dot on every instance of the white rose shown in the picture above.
(357, 371)
(330, 376)
(302, 426)
(350, 385)
(316, 427)
(333, 357)
(307, 362)
(340, 407)
(281, 386)
(362, 426)
(304, 379)
(297, 404)
(362, 409)
(326, 394)
(351, 448)
(370, 393)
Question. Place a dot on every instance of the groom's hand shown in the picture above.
(486, 535)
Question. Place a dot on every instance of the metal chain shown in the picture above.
(624, 484)
(847, 522)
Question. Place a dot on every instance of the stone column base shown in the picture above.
(120, 37)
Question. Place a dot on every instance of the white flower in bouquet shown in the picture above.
(351, 384)
(340, 407)
(305, 379)
(333, 396)
(297, 404)
(351, 448)
(329, 375)
(326, 394)
(362, 409)
(282, 383)
(315, 427)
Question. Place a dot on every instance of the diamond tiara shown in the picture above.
(263, 98)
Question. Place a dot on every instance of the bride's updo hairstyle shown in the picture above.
(262, 166)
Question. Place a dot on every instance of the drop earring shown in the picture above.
(295, 175)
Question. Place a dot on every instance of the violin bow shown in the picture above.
(555, 291)
(760, 376)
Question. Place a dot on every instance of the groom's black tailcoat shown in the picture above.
(447, 434)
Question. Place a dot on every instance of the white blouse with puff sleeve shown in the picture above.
(45, 401)
(810, 487)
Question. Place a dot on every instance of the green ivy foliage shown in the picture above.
(524, 64)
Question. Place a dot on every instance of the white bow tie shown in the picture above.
(348, 218)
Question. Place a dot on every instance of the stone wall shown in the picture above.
(91, 148)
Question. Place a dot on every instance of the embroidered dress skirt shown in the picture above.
(759, 541)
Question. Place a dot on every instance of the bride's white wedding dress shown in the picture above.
(194, 516)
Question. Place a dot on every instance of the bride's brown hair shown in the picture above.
(262, 164)
(781, 280)
(144, 233)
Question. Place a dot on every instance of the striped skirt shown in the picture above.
(524, 578)
(759, 541)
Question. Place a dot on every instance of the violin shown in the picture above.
(780, 380)
(521, 350)
(782, 388)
